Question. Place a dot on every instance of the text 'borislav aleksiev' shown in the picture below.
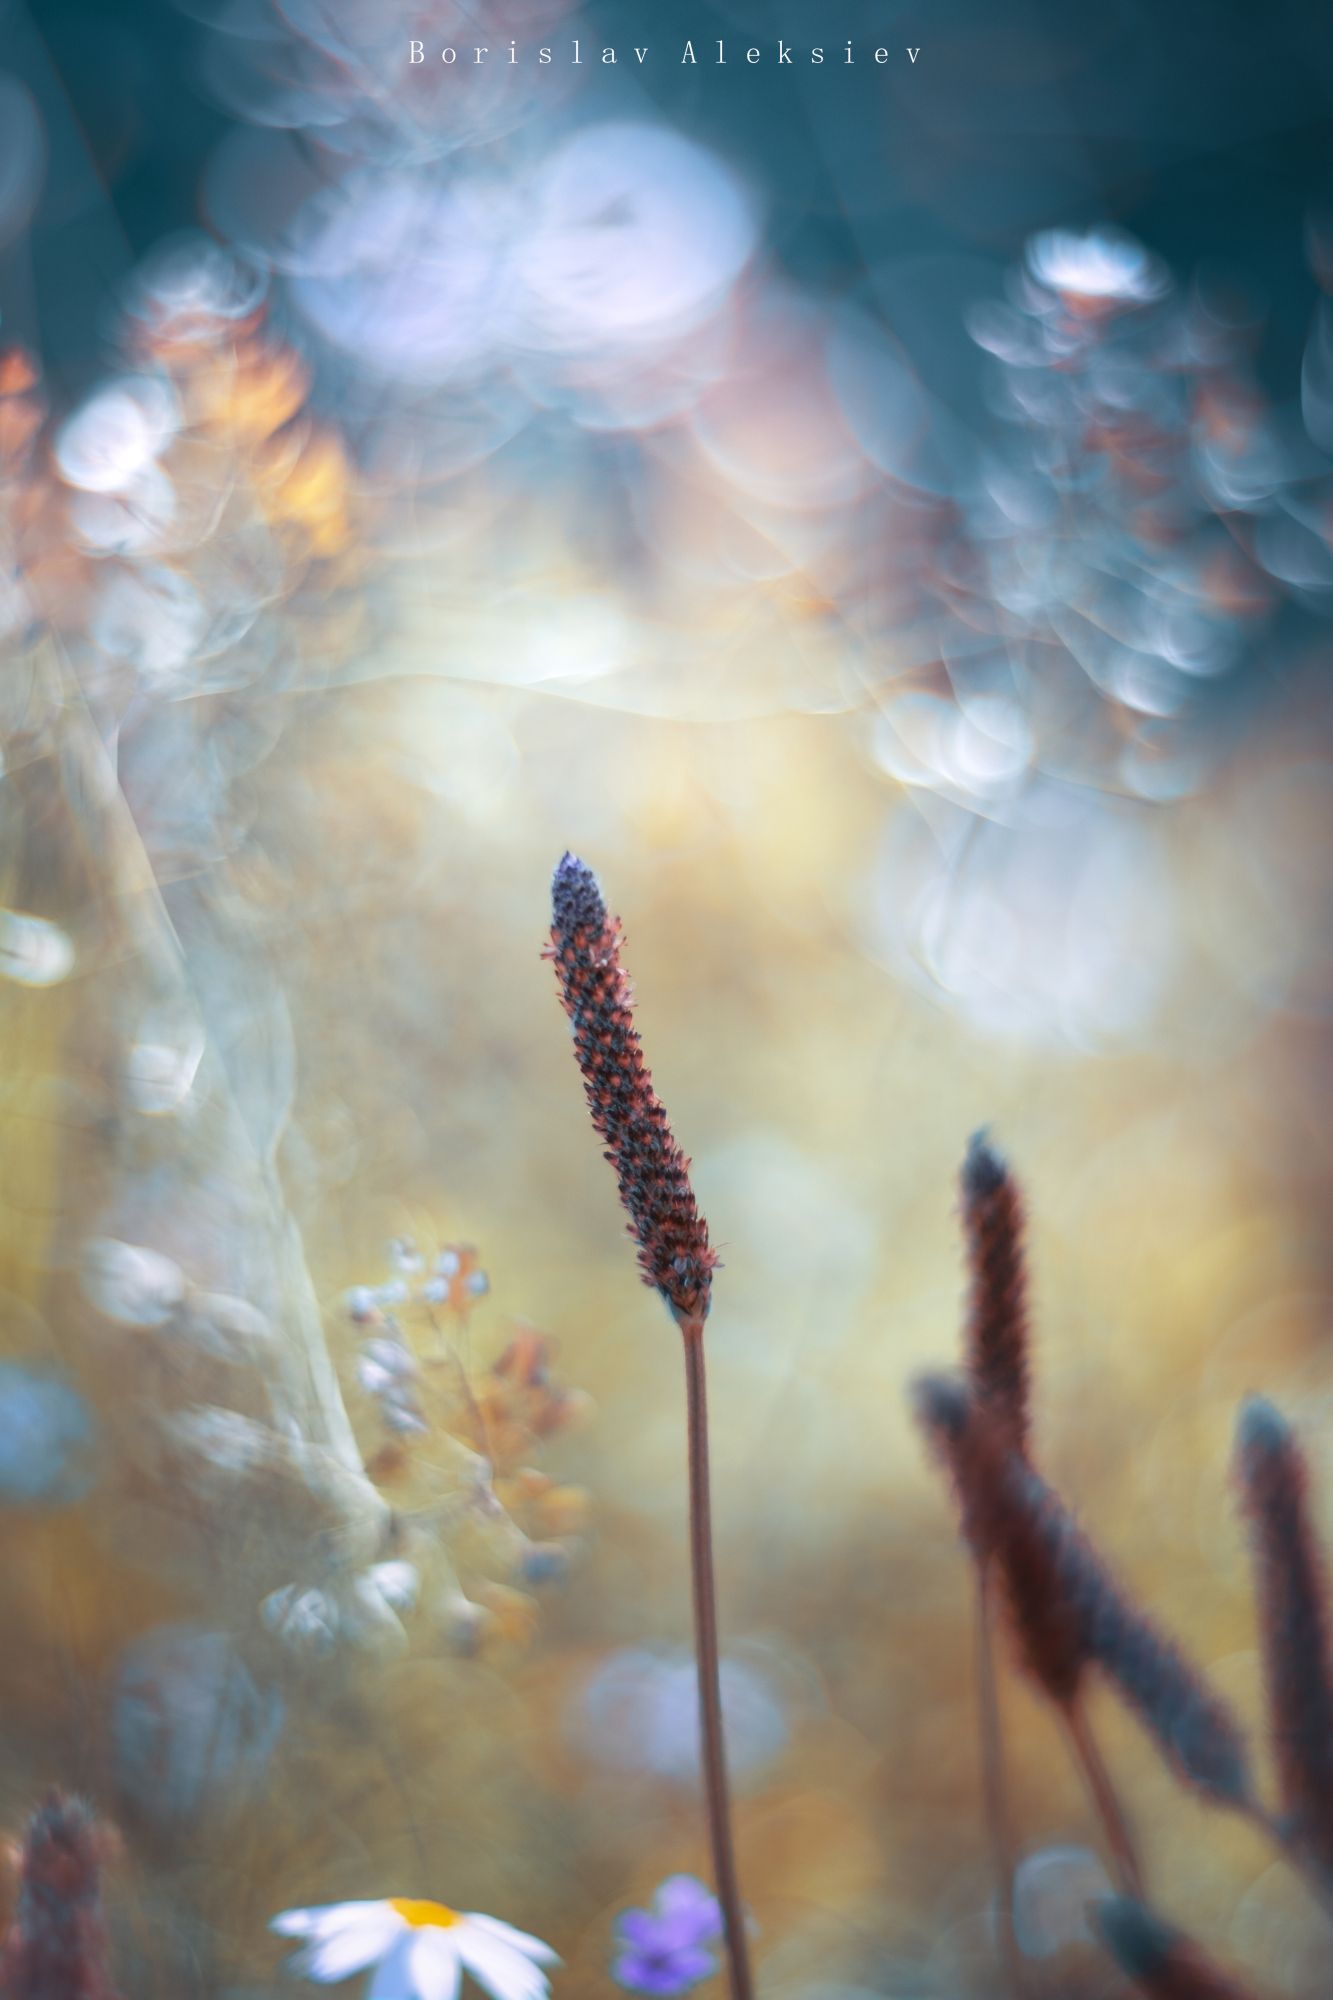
(782, 55)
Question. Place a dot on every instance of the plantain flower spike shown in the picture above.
(652, 1171)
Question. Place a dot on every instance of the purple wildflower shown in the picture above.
(663, 1950)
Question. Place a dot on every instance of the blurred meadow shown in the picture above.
(883, 523)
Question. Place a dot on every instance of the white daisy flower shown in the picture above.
(419, 1950)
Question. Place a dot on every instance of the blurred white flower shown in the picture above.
(1103, 267)
(130, 1283)
(160, 1069)
(303, 1619)
(112, 440)
(384, 1359)
(33, 952)
(636, 232)
(398, 1583)
(623, 240)
(189, 285)
(408, 276)
(221, 1446)
(419, 1950)
(1053, 1891)
(225, 1326)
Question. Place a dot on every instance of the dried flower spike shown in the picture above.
(675, 1258)
(1011, 1522)
(1193, 1727)
(56, 1949)
(1161, 1962)
(997, 1324)
(1293, 1624)
(1067, 1610)
(652, 1171)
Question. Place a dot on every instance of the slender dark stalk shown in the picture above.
(994, 1783)
(716, 1790)
(1105, 1798)
(675, 1258)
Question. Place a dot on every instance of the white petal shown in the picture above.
(436, 1968)
(521, 1940)
(324, 1919)
(393, 1976)
(502, 1969)
(348, 1950)
(294, 1923)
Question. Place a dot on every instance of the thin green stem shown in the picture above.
(716, 1793)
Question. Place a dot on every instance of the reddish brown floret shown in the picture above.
(56, 1948)
(997, 1321)
(1012, 1525)
(652, 1172)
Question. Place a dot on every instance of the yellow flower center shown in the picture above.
(419, 1914)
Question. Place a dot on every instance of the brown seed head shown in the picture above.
(56, 1949)
(997, 1321)
(652, 1172)
(1013, 1523)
